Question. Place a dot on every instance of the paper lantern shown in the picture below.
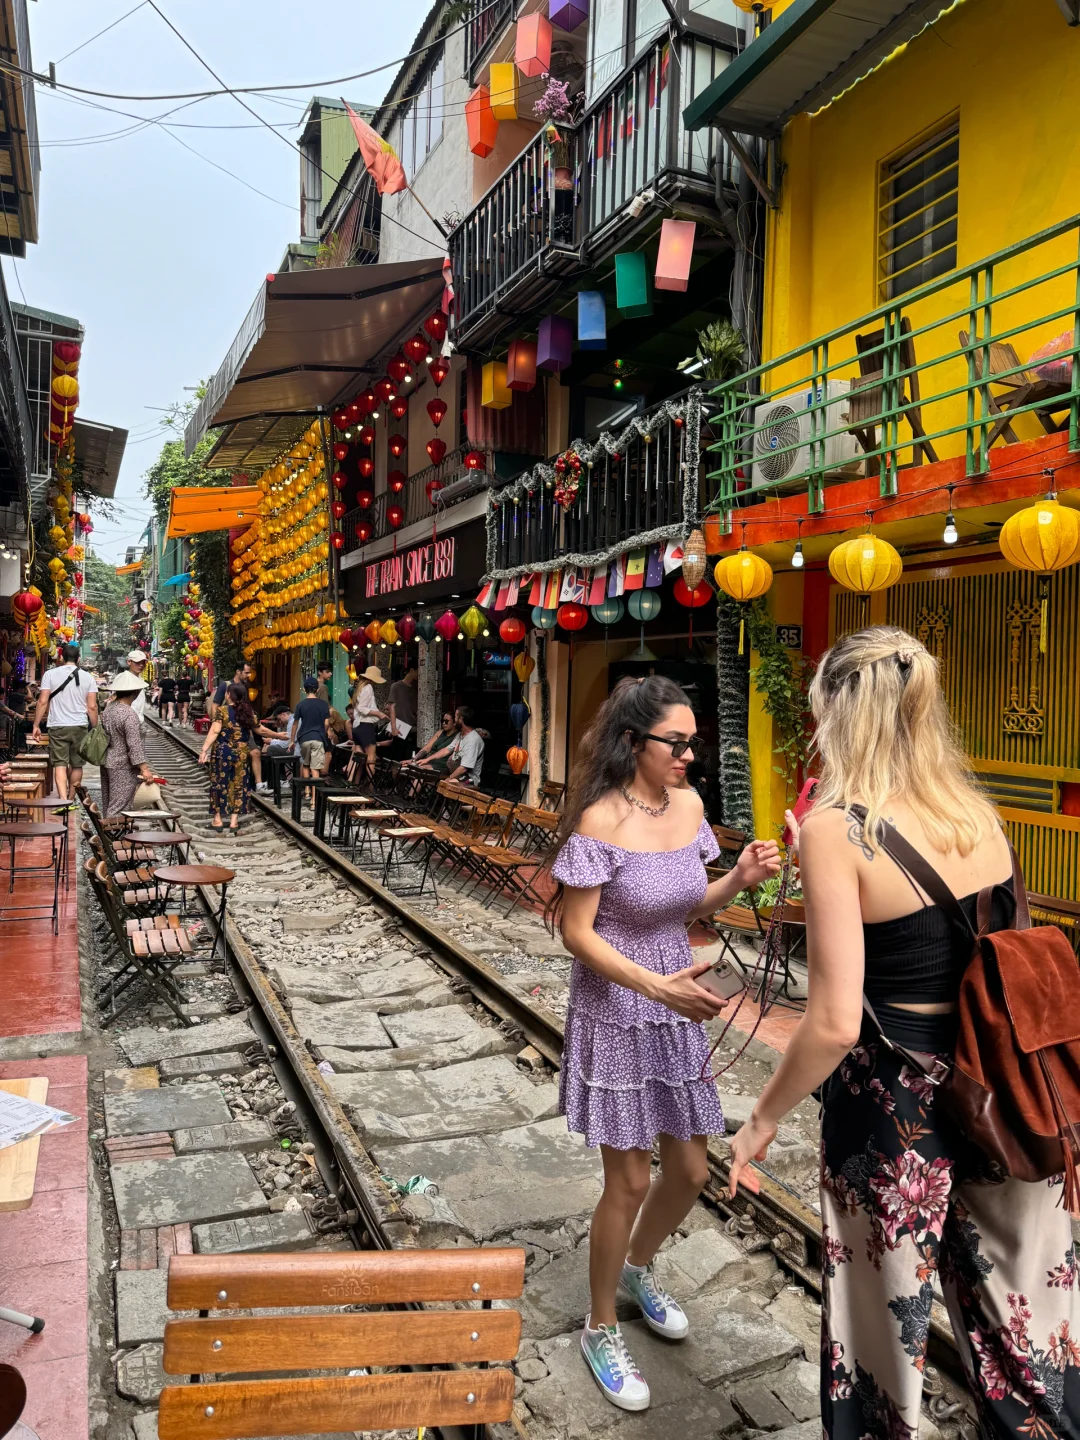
(407, 628)
(494, 393)
(65, 389)
(364, 498)
(436, 449)
(337, 539)
(416, 348)
(436, 409)
(399, 407)
(439, 369)
(744, 576)
(524, 665)
(397, 369)
(447, 625)
(481, 123)
(692, 599)
(475, 460)
(694, 557)
(353, 412)
(396, 445)
(366, 435)
(395, 516)
(644, 605)
(591, 320)
(395, 481)
(632, 294)
(67, 352)
(431, 489)
(26, 606)
(865, 564)
(341, 419)
(346, 639)
(608, 612)
(1043, 537)
(388, 632)
(339, 480)
(572, 616)
(532, 45)
(341, 450)
(675, 253)
(519, 715)
(385, 390)
(512, 630)
(363, 531)
(504, 90)
(543, 619)
(425, 628)
(473, 622)
(366, 467)
(521, 365)
(366, 401)
(555, 343)
(568, 14)
(517, 758)
(337, 508)
(435, 325)
(371, 630)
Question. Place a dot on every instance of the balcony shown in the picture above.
(414, 498)
(950, 372)
(482, 30)
(542, 222)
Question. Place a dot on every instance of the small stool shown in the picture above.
(409, 838)
(161, 840)
(365, 837)
(26, 830)
(195, 875)
(274, 769)
(339, 802)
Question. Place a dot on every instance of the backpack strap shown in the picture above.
(919, 869)
(1022, 911)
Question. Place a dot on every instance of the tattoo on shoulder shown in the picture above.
(857, 836)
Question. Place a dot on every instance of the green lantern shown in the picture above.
(633, 295)
(644, 605)
(543, 619)
(425, 628)
(609, 612)
(472, 622)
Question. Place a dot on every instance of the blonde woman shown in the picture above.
(905, 1198)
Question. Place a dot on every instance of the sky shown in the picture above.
(158, 253)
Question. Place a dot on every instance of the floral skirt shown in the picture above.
(623, 1085)
(906, 1200)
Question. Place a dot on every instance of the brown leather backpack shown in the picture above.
(1014, 1084)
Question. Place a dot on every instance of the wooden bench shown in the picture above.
(409, 1339)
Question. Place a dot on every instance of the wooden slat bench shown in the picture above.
(221, 1344)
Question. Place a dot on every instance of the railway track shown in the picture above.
(406, 1055)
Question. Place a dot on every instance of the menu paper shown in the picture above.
(20, 1119)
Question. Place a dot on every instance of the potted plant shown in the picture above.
(719, 351)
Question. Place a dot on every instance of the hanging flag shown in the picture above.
(537, 589)
(616, 577)
(484, 598)
(500, 598)
(448, 287)
(575, 586)
(512, 592)
(380, 158)
(597, 585)
(673, 556)
(635, 570)
(551, 594)
(654, 567)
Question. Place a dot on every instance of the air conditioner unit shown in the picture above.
(785, 422)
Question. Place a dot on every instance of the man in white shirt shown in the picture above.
(136, 663)
(69, 696)
(465, 758)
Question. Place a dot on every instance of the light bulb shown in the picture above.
(798, 560)
(951, 534)
(374, 414)
(408, 379)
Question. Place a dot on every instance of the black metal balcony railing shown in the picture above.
(414, 499)
(488, 20)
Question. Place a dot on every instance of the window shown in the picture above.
(917, 214)
(422, 123)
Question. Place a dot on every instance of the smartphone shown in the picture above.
(802, 807)
(723, 981)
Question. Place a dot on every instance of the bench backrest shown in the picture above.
(221, 1344)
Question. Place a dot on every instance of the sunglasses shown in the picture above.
(678, 747)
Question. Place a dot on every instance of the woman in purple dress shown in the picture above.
(631, 877)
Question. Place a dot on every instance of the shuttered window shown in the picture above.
(917, 213)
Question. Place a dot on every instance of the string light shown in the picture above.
(951, 534)
(798, 560)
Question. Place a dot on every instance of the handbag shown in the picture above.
(1014, 1083)
(94, 745)
(147, 796)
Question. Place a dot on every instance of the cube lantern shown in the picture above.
(632, 294)
(555, 344)
(504, 91)
(591, 320)
(532, 45)
(676, 252)
(521, 365)
(481, 122)
(495, 394)
(568, 14)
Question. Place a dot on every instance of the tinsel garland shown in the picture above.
(545, 706)
(733, 725)
(688, 409)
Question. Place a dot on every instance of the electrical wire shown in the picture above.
(111, 26)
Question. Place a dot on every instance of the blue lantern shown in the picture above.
(519, 715)
(609, 612)
(644, 605)
(591, 320)
(543, 619)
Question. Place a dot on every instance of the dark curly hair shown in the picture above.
(236, 697)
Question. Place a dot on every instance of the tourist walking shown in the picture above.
(68, 695)
(906, 1196)
(125, 763)
(226, 748)
(167, 700)
(401, 704)
(183, 697)
(136, 664)
(366, 717)
(309, 730)
(630, 867)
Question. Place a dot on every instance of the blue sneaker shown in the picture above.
(662, 1312)
(612, 1368)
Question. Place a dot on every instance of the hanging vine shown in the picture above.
(733, 721)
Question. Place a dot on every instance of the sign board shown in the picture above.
(445, 565)
(790, 636)
(410, 568)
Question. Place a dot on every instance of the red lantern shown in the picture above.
(337, 508)
(692, 599)
(341, 419)
(339, 480)
(417, 349)
(341, 450)
(364, 498)
(431, 489)
(367, 435)
(353, 412)
(346, 639)
(83, 519)
(446, 625)
(436, 448)
(435, 325)
(67, 352)
(399, 407)
(512, 630)
(25, 606)
(366, 467)
(395, 516)
(407, 628)
(395, 481)
(475, 460)
(337, 539)
(436, 409)
(396, 445)
(572, 617)
(397, 369)
(385, 390)
(366, 401)
(440, 368)
(363, 531)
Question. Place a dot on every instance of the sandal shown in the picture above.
(216, 824)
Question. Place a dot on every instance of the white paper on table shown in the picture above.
(20, 1119)
(401, 730)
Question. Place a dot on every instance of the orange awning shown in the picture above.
(198, 508)
(129, 569)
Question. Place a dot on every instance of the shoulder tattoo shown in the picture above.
(857, 836)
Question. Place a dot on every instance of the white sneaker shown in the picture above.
(613, 1368)
(662, 1312)
(262, 788)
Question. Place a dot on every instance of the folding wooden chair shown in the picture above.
(1021, 387)
(866, 399)
(552, 795)
(150, 954)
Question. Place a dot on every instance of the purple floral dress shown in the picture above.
(631, 1067)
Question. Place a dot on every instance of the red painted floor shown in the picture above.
(40, 969)
(43, 1262)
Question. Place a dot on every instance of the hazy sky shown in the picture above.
(158, 253)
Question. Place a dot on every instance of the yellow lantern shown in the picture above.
(1042, 537)
(472, 622)
(388, 633)
(865, 564)
(744, 576)
(694, 556)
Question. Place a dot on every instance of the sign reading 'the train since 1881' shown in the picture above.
(411, 568)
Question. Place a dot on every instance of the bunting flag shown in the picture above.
(597, 585)
(537, 589)
(551, 594)
(484, 598)
(673, 556)
(616, 577)
(500, 599)
(575, 586)
(512, 592)
(380, 158)
(635, 570)
(448, 286)
(654, 567)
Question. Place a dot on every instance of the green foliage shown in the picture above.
(719, 351)
(169, 626)
(104, 589)
(210, 568)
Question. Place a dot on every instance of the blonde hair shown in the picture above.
(884, 733)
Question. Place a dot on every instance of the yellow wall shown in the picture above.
(1006, 68)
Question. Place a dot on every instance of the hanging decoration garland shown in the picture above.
(568, 469)
(545, 706)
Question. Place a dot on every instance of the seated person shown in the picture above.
(465, 758)
(432, 755)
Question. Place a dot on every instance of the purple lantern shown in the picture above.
(555, 343)
(568, 14)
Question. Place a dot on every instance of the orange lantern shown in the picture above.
(372, 632)
(481, 122)
(517, 758)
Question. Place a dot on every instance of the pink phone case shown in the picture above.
(722, 980)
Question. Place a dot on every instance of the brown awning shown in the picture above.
(195, 509)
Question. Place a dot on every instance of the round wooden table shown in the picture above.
(193, 875)
(159, 840)
(28, 830)
(44, 802)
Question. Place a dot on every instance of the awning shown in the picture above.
(99, 450)
(176, 580)
(805, 58)
(194, 509)
(254, 444)
(129, 569)
(310, 338)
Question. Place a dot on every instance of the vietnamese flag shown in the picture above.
(381, 159)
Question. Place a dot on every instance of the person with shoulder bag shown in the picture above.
(68, 695)
(945, 1036)
(124, 764)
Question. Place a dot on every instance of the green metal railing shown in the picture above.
(939, 373)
